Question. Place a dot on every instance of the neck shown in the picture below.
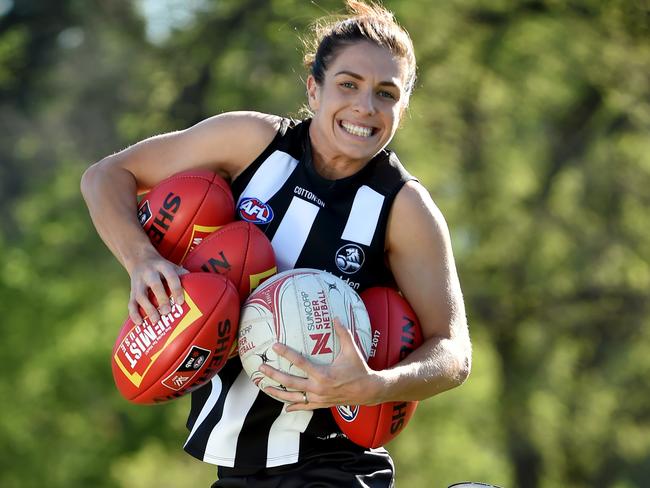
(330, 165)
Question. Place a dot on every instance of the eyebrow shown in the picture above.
(359, 77)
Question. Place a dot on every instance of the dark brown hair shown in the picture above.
(367, 22)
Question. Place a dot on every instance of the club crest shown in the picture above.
(350, 258)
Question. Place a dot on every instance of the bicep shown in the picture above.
(224, 143)
(421, 259)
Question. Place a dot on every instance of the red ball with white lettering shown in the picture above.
(240, 252)
(396, 333)
(183, 209)
(156, 362)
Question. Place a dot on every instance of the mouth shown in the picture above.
(357, 130)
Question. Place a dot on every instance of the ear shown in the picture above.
(313, 93)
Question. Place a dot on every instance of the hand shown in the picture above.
(148, 274)
(347, 381)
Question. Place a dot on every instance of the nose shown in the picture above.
(365, 102)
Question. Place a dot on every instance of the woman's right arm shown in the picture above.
(224, 143)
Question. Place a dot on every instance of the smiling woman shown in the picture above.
(357, 108)
(329, 195)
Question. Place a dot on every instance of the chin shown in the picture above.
(360, 151)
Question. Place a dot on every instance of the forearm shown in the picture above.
(438, 365)
(110, 194)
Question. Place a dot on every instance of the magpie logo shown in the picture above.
(350, 258)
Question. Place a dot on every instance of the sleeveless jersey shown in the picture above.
(333, 225)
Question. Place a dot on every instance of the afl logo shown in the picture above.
(348, 412)
(350, 258)
(254, 211)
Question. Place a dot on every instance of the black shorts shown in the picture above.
(341, 469)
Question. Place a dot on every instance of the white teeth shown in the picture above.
(356, 130)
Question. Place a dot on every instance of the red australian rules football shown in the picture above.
(395, 334)
(239, 251)
(156, 362)
(183, 209)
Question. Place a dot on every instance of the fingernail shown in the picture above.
(180, 299)
(165, 309)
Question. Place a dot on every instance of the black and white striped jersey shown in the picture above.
(337, 226)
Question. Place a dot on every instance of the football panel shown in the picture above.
(173, 205)
(214, 211)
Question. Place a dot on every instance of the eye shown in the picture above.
(347, 84)
(386, 94)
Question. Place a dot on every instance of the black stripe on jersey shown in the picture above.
(199, 397)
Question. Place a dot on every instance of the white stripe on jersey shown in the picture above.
(269, 178)
(292, 233)
(208, 405)
(364, 216)
(222, 443)
(284, 437)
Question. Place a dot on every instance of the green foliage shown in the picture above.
(529, 125)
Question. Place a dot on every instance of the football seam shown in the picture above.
(245, 261)
(202, 202)
(198, 208)
(226, 228)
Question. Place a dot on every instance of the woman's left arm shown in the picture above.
(421, 259)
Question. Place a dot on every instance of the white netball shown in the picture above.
(297, 308)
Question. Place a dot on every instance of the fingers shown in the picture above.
(342, 332)
(172, 277)
(140, 300)
(152, 277)
(294, 357)
(288, 380)
(134, 312)
(295, 400)
(344, 336)
(347, 340)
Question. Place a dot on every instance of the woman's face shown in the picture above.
(357, 108)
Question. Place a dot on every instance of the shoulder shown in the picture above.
(415, 213)
(413, 196)
(225, 143)
(234, 139)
